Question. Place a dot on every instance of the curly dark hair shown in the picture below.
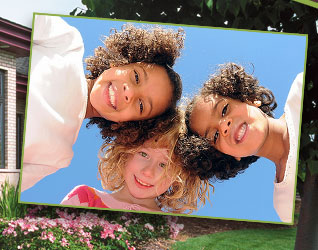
(131, 45)
(199, 156)
(203, 160)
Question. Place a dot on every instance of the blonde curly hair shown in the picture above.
(186, 193)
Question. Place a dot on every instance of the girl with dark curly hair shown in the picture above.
(231, 124)
(130, 93)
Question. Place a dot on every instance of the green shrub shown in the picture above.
(9, 206)
(72, 228)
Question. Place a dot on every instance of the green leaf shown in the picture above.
(237, 22)
(301, 171)
(299, 9)
(243, 4)
(257, 3)
(221, 6)
(313, 167)
(209, 4)
(313, 153)
(197, 3)
(234, 7)
(273, 16)
(304, 140)
(72, 13)
(258, 24)
(89, 4)
(310, 85)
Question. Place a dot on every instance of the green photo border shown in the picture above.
(308, 2)
(167, 24)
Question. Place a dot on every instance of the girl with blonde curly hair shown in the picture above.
(149, 177)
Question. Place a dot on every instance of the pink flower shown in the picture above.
(149, 226)
(107, 232)
(127, 223)
(51, 237)
(51, 223)
(64, 242)
(43, 236)
(174, 228)
(129, 247)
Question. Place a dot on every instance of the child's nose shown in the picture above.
(225, 126)
(149, 170)
(129, 92)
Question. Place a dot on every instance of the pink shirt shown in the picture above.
(86, 196)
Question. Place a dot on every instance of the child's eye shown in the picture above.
(163, 165)
(224, 110)
(141, 106)
(143, 154)
(136, 76)
(216, 136)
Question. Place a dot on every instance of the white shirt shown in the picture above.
(57, 98)
(284, 192)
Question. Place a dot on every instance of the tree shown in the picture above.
(281, 16)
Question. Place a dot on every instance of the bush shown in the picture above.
(9, 206)
(55, 228)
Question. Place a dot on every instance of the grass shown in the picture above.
(259, 239)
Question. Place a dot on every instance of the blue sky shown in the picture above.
(277, 59)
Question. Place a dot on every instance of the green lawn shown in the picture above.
(264, 239)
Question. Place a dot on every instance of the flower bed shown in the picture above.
(69, 228)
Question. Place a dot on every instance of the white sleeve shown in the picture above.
(284, 191)
(53, 32)
(57, 98)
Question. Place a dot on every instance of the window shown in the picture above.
(20, 122)
(2, 121)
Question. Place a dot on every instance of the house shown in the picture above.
(14, 61)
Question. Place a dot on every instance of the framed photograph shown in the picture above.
(53, 170)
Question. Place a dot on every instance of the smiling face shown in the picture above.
(234, 127)
(144, 172)
(136, 91)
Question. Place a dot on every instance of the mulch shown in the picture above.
(194, 227)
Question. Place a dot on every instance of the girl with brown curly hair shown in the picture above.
(232, 123)
(149, 177)
(130, 93)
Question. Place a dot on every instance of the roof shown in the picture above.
(15, 38)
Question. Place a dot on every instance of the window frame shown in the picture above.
(2, 118)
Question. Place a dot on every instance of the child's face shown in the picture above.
(234, 127)
(131, 92)
(143, 173)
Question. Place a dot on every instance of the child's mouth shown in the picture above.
(111, 96)
(241, 133)
(142, 184)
